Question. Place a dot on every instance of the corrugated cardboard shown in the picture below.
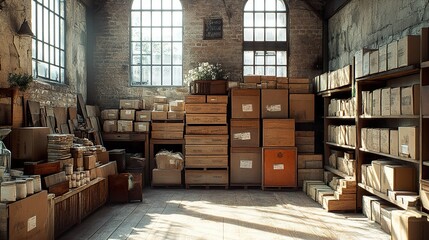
(245, 103)
(110, 126)
(410, 100)
(409, 142)
(246, 166)
(395, 101)
(110, 114)
(29, 143)
(382, 58)
(127, 114)
(373, 62)
(278, 132)
(385, 102)
(125, 126)
(141, 126)
(143, 116)
(274, 103)
(392, 55)
(166, 177)
(169, 161)
(408, 51)
(302, 107)
(394, 142)
(245, 133)
(399, 178)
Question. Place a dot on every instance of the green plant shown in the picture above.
(206, 71)
(22, 81)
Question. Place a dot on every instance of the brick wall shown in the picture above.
(109, 79)
(371, 24)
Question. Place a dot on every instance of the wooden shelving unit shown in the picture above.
(391, 117)
(337, 172)
(424, 119)
(340, 146)
(390, 156)
(382, 196)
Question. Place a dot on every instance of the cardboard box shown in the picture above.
(375, 140)
(364, 173)
(385, 102)
(169, 161)
(395, 101)
(385, 140)
(141, 126)
(370, 176)
(110, 114)
(252, 79)
(379, 177)
(386, 217)
(382, 58)
(410, 100)
(408, 51)
(376, 102)
(245, 133)
(89, 162)
(376, 210)
(173, 127)
(399, 178)
(278, 132)
(105, 170)
(206, 118)
(160, 99)
(195, 99)
(166, 177)
(274, 103)
(26, 219)
(373, 62)
(177, 105)
(366, 205)
(246, 166)
(131, 104)
(367, 62)
(217, 99)
(162, 107)
(324, 82)
(407, 225)
(143, 116)
(359, 63)
(206, 177)
(29, 143)
(110, 126)
(409, 142)
(302, 107)
(245, 103)
(176, 115)
(125, 126)
(394, 142)
(167, 135)
(77, 162)
(206, 108)
(392, 55)
(128, 114)
(159, 115)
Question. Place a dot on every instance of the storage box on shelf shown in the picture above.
(206, 141)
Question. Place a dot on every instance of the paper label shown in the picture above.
(143, 116)
(31, 223)
(127, 104)
(274, 108)
(111, 114)
(173, 104)
(405, 149)
(142, 127)
(242, 136)
(128, 112)
(278, 166)
(246, 164)
(159, 107)
(172, 162)
(247, 107)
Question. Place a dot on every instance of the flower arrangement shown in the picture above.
(206, 71)
(22, 81)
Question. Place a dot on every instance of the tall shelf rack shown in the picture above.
(424, 119)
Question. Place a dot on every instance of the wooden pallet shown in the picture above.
(207, 186)
(245, 186)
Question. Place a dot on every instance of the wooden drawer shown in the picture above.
(206, 149)
(167, 135)
(206, 161)
(174, 127)
(217, 99)
(207, 177)
(205, 108)
(206, 139)
(206, 118)
(205, 130)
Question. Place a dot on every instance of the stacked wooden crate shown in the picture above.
(206, 141)
(164, 127)
(129, 118)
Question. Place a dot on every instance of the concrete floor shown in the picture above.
(223, 214)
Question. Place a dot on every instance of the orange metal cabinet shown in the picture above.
(279, 167)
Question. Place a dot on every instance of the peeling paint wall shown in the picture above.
(371, 24)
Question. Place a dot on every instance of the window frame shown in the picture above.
(161, 65)
(266, 46)
(62, 40)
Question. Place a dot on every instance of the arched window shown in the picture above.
(265, 38)
(156, 43)
(48, 47)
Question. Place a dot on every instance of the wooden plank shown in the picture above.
(38, 168)
(34, 113)
(59, 188)
(54, 179)
(93, 111)
(81, 106)
(60, 114)
(43, 122)
(64, 128)
(72, 111)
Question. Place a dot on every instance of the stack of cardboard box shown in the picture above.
(169, 169)
(129, 118)
(206, 140)
(167, 124)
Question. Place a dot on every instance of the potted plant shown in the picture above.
(20, 81)
(207, 78)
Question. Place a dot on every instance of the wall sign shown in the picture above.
(213, 28)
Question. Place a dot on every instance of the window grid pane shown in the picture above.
(48, 44)
(265, 38)
(160, 35)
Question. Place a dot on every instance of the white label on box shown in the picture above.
(142, 127)
(127, 104)
(111, 114)
(143, 116)
(173, 104)
(279, 166)
(404, 149)
(172, 162)
(128, 112)
(247, 107)
(31, 223)
(246, 164)
(242, 136)
(274, 108)
(159, 108)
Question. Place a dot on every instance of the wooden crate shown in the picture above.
(205, 108)
(279, 167)
(330, 203)
(206, 149)
(206, 177)
(167, 135)
(206, 161)
(206, 139)
(206, 130)
(206, 119)
(217, 99)
(174, 127)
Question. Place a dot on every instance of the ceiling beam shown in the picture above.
(333, 6)
(316, 11)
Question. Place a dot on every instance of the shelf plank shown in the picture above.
(394, 73)
(390, 117)
(343, 89)
(341, 146)
(337, 172)
(390, 156)
(425, 116)
(424, 64)
(425, 163)
(341, 117)
(380, 195)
